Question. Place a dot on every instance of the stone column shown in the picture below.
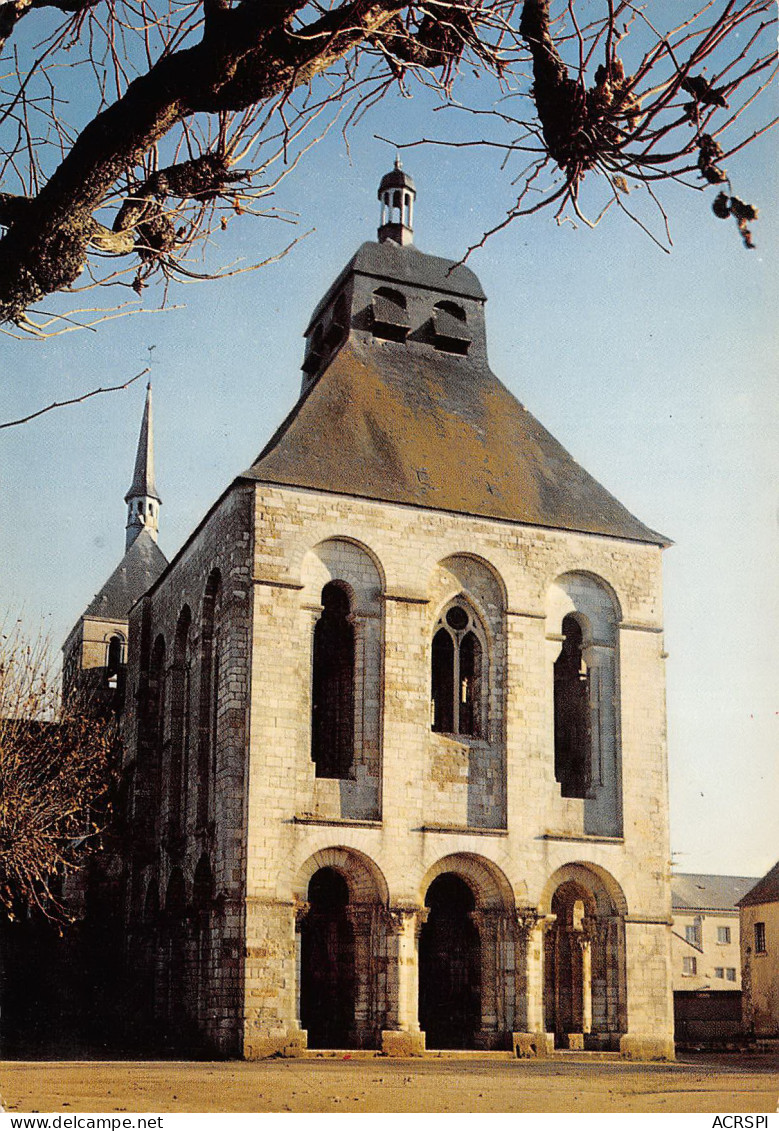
(531, 1038)
(526, 922)
(361, 919)
(300, 909)
(492, 979)
(585, 946)
(403, 1037)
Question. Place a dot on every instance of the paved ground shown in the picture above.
(726, 1083)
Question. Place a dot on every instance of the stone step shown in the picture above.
(585, 1056)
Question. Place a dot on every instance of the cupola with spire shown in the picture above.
(143, 502)
(397, 194)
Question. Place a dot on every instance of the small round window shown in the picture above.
(457, 618)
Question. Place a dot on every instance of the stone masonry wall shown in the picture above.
(492, 807)
(188, 958)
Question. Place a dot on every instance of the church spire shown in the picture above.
(397, 193)
(143, 502)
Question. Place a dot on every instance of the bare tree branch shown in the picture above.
(198, 101)
(75, 400)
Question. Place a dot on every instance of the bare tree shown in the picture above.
(55, 772)
(189, 113)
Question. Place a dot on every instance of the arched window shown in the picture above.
(332, 693)
(114, 660)
(180, 723)
(208, 722)
(458, 687)
(453, 309)
(572, 714)
(389, 314)
(449, 327)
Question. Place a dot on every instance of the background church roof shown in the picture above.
(425, 428)
(140, 567)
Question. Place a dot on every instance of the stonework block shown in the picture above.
(646, 1048)
(399, 1044)
(526, 1045)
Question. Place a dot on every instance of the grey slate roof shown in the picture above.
(698, 891)
(764, 891)
(143, 485)
(390, 262)
(140, 567)
(391, 422)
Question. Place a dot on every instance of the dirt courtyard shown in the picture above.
(725, 1083)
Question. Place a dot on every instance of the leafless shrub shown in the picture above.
(55, 772)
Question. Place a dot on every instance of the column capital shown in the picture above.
(300, 909)
(527, 919)
(398, 918)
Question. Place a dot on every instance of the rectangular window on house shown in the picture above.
(760, 938)
(689, 966)
(719, 971)
(723, 934)
(731, 973)
(692, 935)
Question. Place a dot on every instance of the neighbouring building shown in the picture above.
(759, 910)
(706, 955)
(95, 652)
(395, 722)
(59, 988)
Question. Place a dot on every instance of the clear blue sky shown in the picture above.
(657, 372)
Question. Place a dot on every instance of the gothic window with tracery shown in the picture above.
(457, 680)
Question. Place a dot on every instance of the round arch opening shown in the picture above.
(327, 963)
(450, 961)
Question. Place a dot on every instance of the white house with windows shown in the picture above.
(395, 728)
(706, 955)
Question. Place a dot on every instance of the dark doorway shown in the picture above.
(450, 967)
(327, 980)
(568, 977)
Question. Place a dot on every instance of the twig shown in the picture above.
(75, 400)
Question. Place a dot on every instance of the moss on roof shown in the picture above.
(404, 424)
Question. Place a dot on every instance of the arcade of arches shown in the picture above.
(465, 968)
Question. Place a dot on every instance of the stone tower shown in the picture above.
(399, 734)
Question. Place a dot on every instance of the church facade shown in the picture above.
(395, 721)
